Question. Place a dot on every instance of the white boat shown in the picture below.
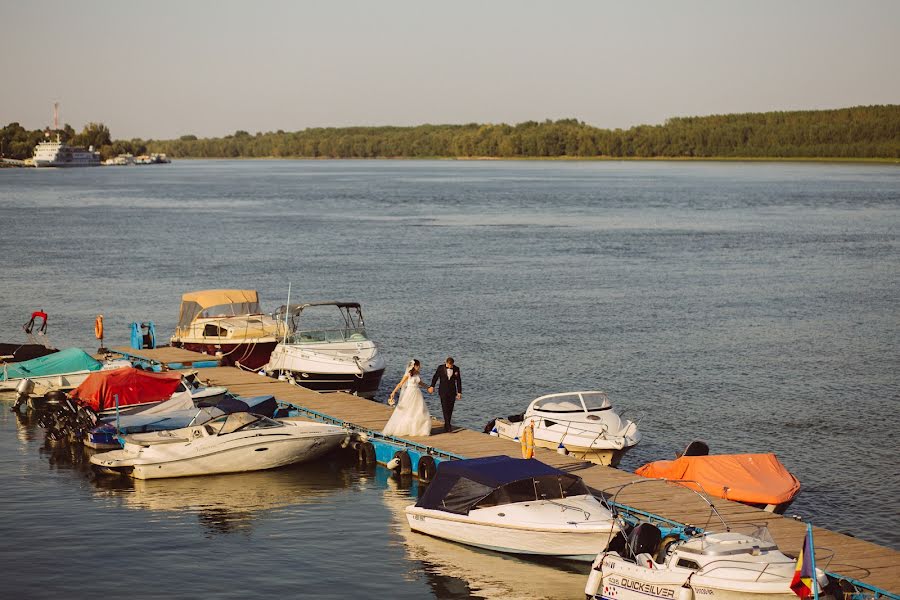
(59, 154)
(513, 505)
(584, 424)
(228, 324)
(61, 370)
(232, 443)
(333, 356)
(692, 563)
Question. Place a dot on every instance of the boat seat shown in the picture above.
(644, 560)
(644, 538)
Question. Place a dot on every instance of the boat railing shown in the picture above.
(736, 565)
(614, 504)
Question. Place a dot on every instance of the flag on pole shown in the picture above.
(804, 583)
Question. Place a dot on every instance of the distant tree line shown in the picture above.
(18, 142)
(858, 132)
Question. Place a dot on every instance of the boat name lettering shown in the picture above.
(648, 588)
(704, 592)
(418, 517)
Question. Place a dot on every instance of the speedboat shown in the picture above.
(520, 506)
(582, 424)
(228, 324)
(689, 562)
(60, 370)
(758, 480)
(231, 443)
(178, 412)
(332, 356)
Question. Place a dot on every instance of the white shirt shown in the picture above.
(449, 372)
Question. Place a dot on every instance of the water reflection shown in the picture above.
(457, 571)
(227, 504)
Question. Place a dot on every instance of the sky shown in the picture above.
(160, 68)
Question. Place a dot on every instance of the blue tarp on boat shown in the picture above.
(461, 485)
(64, 361)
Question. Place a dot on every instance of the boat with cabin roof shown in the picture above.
(228, 324)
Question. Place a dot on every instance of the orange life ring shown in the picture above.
(98, 327)
(528, 441)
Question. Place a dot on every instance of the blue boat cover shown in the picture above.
(460, 485)
(64, 361)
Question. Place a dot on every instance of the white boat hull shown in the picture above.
(560, 535)
(212, 454)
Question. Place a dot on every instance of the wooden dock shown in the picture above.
(856, 559)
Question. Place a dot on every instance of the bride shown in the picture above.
(411, 417)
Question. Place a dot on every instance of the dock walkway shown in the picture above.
(856, 559)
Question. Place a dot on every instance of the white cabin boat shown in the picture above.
(59, 154)
(582, 423)
(331, 356)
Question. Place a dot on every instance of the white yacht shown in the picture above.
(59, 154)
(328, 349)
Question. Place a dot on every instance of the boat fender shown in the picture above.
(404, 463)
(98, 327)
(426, 468)
(365, 453)
(665, 544)
(686, 592)
(491, 427)
(528, 441)
(595, 579)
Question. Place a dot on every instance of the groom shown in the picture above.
(450, 388)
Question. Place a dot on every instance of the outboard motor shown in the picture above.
(23, 392)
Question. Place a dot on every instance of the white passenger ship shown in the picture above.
(58, 154)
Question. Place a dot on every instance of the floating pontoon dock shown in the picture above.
(861, 562)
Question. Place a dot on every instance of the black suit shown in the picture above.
(448, 388)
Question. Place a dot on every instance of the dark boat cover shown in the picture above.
(460, 485)
(23, 352)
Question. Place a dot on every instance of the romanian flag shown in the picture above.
(804, 573)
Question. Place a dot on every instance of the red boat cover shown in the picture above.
(752, 478)
(133, 386)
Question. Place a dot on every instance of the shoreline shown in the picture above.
(761, 159)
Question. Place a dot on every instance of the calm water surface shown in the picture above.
(750, 305)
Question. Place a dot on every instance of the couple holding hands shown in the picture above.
(411, 416)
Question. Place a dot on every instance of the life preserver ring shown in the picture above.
(528, 441)
(98, 327)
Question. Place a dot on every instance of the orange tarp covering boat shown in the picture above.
(751, 478)
(133, 386)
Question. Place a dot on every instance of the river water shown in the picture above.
(754, 306)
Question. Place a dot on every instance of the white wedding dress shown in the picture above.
(411, 417)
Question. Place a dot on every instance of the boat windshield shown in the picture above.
(327, 323)
(231, 310)
(239, 421)
(573, 403)
(539, 488)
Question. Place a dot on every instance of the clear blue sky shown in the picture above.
(160, 68)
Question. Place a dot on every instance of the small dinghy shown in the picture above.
(520, 506)
(582, 424)
(689, 563)
(61, 370)
(759, 480)
(232, 443)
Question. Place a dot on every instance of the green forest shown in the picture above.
(859, 132)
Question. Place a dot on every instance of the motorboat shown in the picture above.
(519, 506)
(686, 562)
(228, 324)
(233, 443)
(176, 413)
(758, 480)
(582, 424)
(126, 389)
(65, 369)
(327, 350)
